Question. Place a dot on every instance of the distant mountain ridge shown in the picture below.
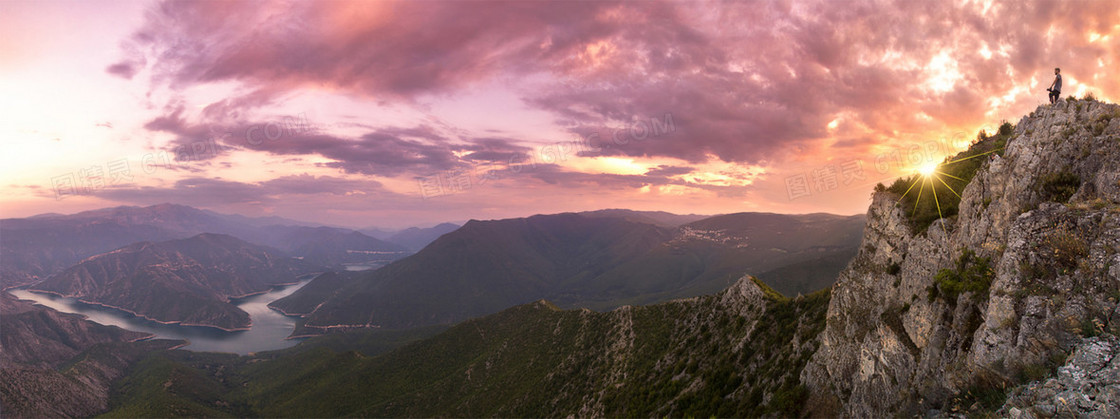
(335, 247)
(576, 260)
(36, 247)
(416, 238)
(661, 218)
(187, 281)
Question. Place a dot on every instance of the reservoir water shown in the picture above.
(270, 328)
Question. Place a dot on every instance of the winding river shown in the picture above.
(269, 330)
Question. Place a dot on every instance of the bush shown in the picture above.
(789, 400)
(1091, 327)
(1101, 123)
(1068, 249)
(1006, 128)
(1058, 187)
(972, 274)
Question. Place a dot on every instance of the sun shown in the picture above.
(928, 169)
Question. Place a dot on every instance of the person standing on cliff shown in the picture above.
(1055, 87)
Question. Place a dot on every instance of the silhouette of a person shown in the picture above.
(1055, 87)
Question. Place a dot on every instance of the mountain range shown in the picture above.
(335, 247)
(736, 353)
(997, 299)
(1003, 306)
(598, 260)
(36, 247)
(415, 238)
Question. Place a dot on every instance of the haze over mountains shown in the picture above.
(37, 247)
(597, 260)
(177, 264)
(415, 238)
(963, 313)
(559, 209)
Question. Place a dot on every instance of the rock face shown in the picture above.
(1089, 384)
(898, 342)
(187, 281)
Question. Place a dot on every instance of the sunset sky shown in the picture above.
(394, 114)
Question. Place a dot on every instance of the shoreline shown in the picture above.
(281, 311)
(327, 329)
(301, 316)
(175, 323)
(272, 287)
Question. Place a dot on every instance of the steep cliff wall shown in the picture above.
(992, 297)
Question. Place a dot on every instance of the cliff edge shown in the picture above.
(955, 315)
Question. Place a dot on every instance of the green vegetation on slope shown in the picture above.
(579, 261)
(715, 355)
(972, 274)
(927, 199)
(1058, 187)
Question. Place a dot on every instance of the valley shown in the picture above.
(269, 329)
(559, 209)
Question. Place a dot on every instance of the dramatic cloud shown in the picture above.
(712, 99)
(749, 91)
(742, 81)
(386, 151)
(374, 48)
(663, 178)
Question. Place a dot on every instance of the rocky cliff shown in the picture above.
(951, 316)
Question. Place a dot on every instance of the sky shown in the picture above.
(393, 114)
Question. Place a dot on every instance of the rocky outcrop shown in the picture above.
(1088, 385)
(1046, 274)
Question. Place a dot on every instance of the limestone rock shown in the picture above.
(891, 348)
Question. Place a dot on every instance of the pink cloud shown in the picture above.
(745, 82)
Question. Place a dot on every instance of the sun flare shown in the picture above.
(928, 169)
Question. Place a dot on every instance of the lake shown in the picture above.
(270, 328)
